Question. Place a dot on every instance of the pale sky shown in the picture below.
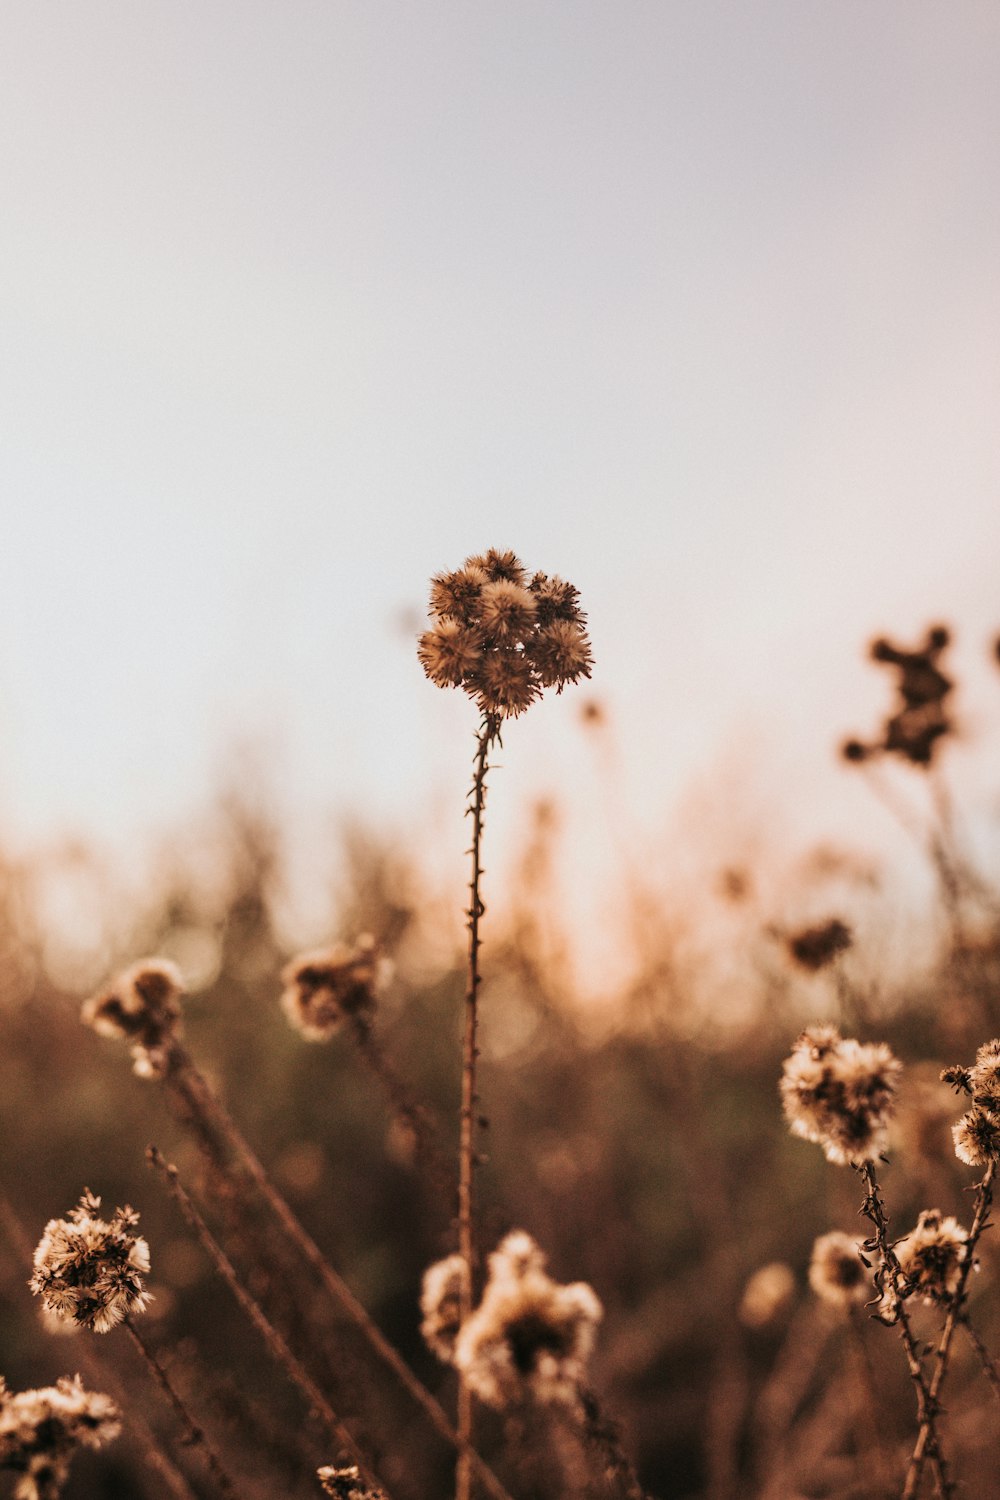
(696, 304)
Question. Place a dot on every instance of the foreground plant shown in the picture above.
(41, 1430)
(503, 637)
(90, 1272)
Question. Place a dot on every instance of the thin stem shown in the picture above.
(891, 1285)
(193, 1433)
(205, 1113)
(276, 1345)
(988, 1363)
(926, 1438)
(604, 1435)
(489, 731)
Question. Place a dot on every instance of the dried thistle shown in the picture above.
(977, 1138)
(530, 1338)
(931, 1256)
(327, 985)
(837, 1273)
(89, 1271)
(40, 1430)
(347, 1484)
(840, 1093)
(920, 721)
(502, 637)
(815, 947)
(142, 1006)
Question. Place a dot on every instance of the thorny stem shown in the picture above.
(926, 1438)
(277, 1346)
(210, 1120)
(193, 1433)
(890, 1282)
(989, 1365)
(489, 731)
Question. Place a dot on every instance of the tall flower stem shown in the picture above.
(192, 1432)
(890, 1282)
(467, 1156)
(926, 1438)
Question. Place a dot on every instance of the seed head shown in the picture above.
(977, 1138)
(913, 731)
(142, 1006)
(441, 1305)
(529, 1339)
(89, 1271)
(327, 985)
(840, 1093)
(933, 1254)
(984, 1077)
(40, 1430)
(347, 1484)
(501, 637)
(815, 947)
(836, 1272)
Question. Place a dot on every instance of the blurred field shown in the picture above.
(642, 1145)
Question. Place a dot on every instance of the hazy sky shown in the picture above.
(696, 304)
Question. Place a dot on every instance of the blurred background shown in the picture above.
(695, 306)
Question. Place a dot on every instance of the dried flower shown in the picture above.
(836, 1272)
(501, 637)
(932, 1255)
(530, 1338)
(984, 1077)
(766, 1294)
(347, 1484)
(920, 720)
(143, 1006)
(40, 1430)
(815, 947)
(89, 1271)
(840, 1093)
(977, 1138)
(441, 1305)
(327, 985)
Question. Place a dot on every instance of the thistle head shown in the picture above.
(504, 637)
(89, 1271)
(142, 1007)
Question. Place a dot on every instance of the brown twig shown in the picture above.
(892, 1287)
(927, 1438)
(276, 1344)
(193, 1433)
(488, 732)
(989, 1365)
(212, 1124)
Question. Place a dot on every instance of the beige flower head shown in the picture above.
(766, 1294)
(984, 1077)
(441, 1305)
(347, 1483)
(329, 985)
(977, 1138)
(836, 1272)
(933, 1254)
(530, 1338)
(89, 1271)
(142, 1006)
(503, 637)
(40, 1430)
(840, 1093)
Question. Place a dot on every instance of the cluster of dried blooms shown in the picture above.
(840, 1093)
(920, 720)
(931, 1256)
(977, 1134)
(89, 1271)
(503, 636)
(346, 1483)
(529, 1339)
(837, 1273)
(143, 1007)
(40, 1430)
(324, 987)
